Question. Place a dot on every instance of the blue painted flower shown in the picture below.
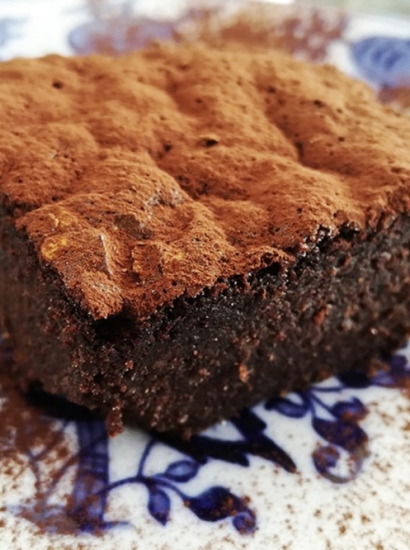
(383, 60)
(336, 423)
(340, 429)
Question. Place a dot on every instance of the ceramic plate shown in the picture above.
(327, 468)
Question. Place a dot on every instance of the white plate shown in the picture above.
(325, 469)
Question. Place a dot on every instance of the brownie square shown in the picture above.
(186, 230)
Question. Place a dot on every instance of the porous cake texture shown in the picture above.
(186, 230)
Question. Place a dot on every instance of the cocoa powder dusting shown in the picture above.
(301, 30)
(25, 429)
(178, 167)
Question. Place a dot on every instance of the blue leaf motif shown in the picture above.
(396, 375)
(345, 434)
(349, 410)
(384, 379)
(325, 458)
(355, 379)
(384, 60)
(287, 407)
(159, 504)
(398, 363)
(202, 447)
(248, 422)
(181, 471)
(245, 522)
(215, 504)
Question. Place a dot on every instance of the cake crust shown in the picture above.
(186, 219)
(143, 178)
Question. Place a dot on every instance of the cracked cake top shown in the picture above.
(153, 175)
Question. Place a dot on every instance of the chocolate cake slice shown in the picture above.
(185, 230)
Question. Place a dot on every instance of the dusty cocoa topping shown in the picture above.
(157, 174)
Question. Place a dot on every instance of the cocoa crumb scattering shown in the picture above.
(26, 427)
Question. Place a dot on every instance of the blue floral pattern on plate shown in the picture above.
(383, 60)
(337, 424)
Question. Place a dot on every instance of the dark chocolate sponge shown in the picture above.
(184, 230)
